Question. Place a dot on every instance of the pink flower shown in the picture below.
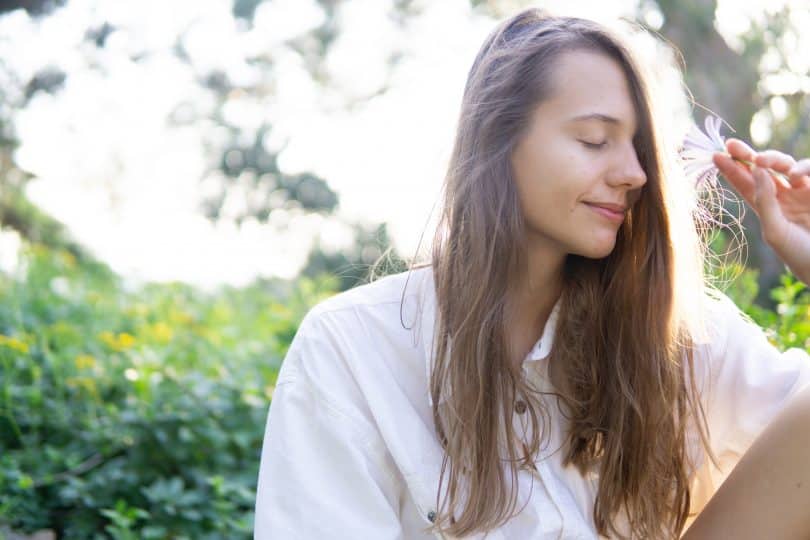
(698, 149)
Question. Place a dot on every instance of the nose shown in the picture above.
(628, 171)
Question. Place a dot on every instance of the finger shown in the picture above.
(776, 160)
(767, 207)
(727, 165)
(801, 167)
(737, 175)
(739, 150)
(799, 174)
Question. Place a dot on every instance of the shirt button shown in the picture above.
(431, 516)
(520, 406)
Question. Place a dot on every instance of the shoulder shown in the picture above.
(349, 344)
(385, 305)
(336, 318)
(721, 320)
(385, 290)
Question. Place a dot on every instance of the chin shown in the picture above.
(596, 252)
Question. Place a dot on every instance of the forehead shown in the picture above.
(590, 85)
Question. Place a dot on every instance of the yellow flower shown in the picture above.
(162, 332)
(125, 341)
(139, 309)
(85, 361)
(118, 342)
(13, 343)
(108, 338)
(179, 317)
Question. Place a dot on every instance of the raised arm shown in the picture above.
(760, 407)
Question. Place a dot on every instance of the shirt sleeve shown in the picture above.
(751, 382)
(323, 472)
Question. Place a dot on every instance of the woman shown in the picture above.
(559, 370)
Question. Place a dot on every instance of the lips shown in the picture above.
(610, 206)
(613, 212)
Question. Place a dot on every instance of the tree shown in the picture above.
(245, 182)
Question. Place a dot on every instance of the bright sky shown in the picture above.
(126, 184)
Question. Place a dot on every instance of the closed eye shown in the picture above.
(593, 146)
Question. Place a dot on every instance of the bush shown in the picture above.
(136, 413)
(789, 325)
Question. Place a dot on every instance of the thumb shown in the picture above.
(770, 214)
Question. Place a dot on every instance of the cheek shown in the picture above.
(574, 167)
(548, 206)
(551, 179)
(554, 195)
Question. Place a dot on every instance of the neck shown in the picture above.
(534, 296)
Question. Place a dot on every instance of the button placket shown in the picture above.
(550, 505)
(426, 486)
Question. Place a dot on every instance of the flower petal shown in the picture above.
(698, 139)
(698, 150)
(713, 125)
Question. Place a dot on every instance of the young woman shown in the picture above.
(559, 369)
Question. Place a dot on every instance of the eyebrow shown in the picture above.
(598, 116)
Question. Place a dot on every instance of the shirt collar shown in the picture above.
(429, 327)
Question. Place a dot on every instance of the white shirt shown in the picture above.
(350, 450)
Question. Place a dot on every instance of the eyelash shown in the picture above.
(593, 146)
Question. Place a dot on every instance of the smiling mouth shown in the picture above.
(611, 215)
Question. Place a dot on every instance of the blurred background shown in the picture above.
(181, 181)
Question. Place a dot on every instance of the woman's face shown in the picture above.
(578, 155)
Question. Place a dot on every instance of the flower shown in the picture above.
(162, 332)
(13, 343)
(85, 361)
(118, 342)
(698, 150)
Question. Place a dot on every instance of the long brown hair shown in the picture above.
(624, 340)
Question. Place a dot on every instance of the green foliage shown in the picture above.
(136, 412)
(789, 325)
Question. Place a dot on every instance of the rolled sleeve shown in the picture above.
(323, 473)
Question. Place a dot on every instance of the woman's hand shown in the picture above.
(783, 211)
